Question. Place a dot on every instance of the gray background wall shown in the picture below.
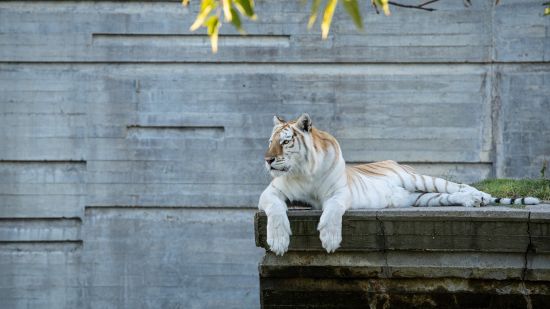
(131, 157)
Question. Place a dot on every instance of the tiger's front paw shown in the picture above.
(330, 230)
(278, 233)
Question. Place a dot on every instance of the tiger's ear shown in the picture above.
(278, 120)
(304, 123)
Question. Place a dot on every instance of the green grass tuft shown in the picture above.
(513, 188)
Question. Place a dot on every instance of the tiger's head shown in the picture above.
(287, 152)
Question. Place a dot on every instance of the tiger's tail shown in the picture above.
(528, 200)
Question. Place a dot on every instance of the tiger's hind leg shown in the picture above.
(406, 177)
(428, 199)
(430, 184)
(423, 183)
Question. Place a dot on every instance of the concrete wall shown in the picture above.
(131, 157)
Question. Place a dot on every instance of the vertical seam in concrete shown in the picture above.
(386, 267)
(495, 122)
(494, 113)
(492, 50)
(528, 249)
(526, 293)
(496, 104)
(256, 229)
(493, 99)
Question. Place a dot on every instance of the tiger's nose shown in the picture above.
(269, 160)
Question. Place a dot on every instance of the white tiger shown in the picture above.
(307, 165)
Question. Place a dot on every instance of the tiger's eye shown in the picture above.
(286, 142)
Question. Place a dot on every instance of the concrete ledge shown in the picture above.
(487, 257)
(487, 229)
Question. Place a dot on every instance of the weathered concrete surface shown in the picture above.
(486, 229)
(450, 257)
(412, 229)
(521, 139)
(116, 104)
(170, 258)
(145, 31)
(402, 293)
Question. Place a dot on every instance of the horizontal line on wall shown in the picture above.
(157, 1)
(426, 162)
(42, 246)
(38, 242)
(44, 161)
(45, 195)
(173, 127)
(226, 62)
(78, 219)
(348, 162)
(137, 207)
(171, 183)
(199, 40)
(175, 131)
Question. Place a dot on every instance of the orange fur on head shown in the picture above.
(322, 140)
(275, 149)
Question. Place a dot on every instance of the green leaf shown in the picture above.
(213, 25)
(206, 3)
(206, 7)
(246, 7)
(227, 10)
(327, 17)
(236, 21)
(313, 15)
(352, 7)
(546, 11)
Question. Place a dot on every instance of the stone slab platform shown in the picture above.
(447, 257)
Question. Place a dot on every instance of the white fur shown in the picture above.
(531, 201)
(285, 135)
(319, 178)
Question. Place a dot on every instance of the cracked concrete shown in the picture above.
(528, 248)
(386, 269)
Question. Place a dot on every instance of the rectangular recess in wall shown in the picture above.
(40, 229)
(175, 132)
(187, 40)
(66, 246)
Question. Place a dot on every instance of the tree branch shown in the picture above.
(420, 6)
(375, 7)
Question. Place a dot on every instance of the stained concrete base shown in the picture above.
(445, 257)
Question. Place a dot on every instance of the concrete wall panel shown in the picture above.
(116, 106)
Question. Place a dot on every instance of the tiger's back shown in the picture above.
(378, 185)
